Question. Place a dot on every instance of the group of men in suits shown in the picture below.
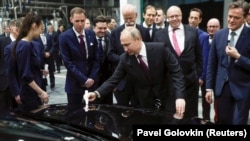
(199, 68)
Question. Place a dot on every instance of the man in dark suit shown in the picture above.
(160, 21)
(115, 50)
(79, 53)
(46, 42)
(187, 50)
(6, 32)
(57, 53)
(194, 19)
(150, 80)
(228, 71)
(9, 98)
(100, 25)
(149, 15)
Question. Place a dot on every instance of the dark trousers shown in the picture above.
(230, 110)
(205, 104)
(191, 97)
(127, 95)
(5, 100)
(75, 101)
(58, 61)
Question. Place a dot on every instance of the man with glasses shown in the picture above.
(183, 41)
(213, 25)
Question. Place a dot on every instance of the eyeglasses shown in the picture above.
(213, 26)
(173, 16)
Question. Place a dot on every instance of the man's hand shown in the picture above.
(18, 99)
(89, 83)
(180, 106)
(232, 52)
(201, 82)
(209, 97)
(91, 96)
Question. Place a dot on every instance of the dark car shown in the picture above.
(97, 122)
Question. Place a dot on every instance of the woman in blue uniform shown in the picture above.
(27, 56)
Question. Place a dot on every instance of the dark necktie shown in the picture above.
(100, 48)
(175, 42)
(82, 44)
(143, 65)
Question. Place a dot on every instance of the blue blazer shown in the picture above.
(205, 47)
(237, 72)
(79, 68)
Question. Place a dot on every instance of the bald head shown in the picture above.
(174, 16)
(213, 25)
(131, 32)
(129, 14)
(174, 9)
(213, 21)
(129, 8)
(131, 40)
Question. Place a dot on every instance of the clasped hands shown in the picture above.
(89, 83)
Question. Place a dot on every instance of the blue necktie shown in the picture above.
(100, 48)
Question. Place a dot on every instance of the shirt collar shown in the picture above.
(238, 31)
(102, 38)
(143, 50)
(179, 27)
(77, 34)
(146, 26)
(12, 38)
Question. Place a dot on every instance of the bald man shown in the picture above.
(183, 41)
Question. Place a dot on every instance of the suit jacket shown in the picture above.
(156, 86)
(105, 65)
(205, 46)
(116, 49)
(191, 57)
(237, 73)
(79, 68)
(4, 41)
(154, 29)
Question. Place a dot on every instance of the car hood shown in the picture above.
(111, 121)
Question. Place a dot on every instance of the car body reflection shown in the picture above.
(110, 122)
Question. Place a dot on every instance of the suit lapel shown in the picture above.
(74, 39)
(139, 71)
(167, 39)
(241, 39)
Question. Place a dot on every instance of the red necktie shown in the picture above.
(143, 65)
(82, 44)
(175, 42)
